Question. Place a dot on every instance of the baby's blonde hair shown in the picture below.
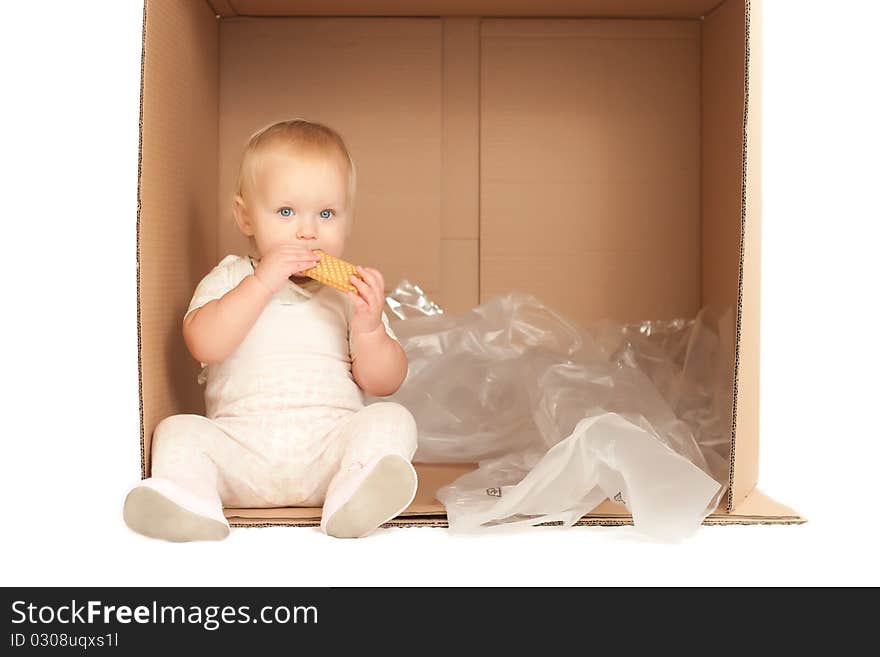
(298, 135)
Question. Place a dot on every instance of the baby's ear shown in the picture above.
(241, 215)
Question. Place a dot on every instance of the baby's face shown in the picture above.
(298, 199)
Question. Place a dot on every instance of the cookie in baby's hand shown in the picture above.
(333, 271)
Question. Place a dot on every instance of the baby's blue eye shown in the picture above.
(327, 211)
(285, 212)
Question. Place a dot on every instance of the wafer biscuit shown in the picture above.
(333, 271)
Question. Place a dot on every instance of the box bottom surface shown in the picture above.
(427, 511)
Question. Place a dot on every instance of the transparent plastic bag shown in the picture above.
(559, 417)
(607, 455)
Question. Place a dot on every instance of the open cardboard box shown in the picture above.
(603, 155)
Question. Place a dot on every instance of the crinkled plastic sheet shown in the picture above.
(559, 417)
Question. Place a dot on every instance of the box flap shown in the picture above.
(747, 393)
(731, 214)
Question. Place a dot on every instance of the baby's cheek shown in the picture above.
(335, 243)
(333, 249)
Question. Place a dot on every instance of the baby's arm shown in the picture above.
(381, 365)
(215, 330)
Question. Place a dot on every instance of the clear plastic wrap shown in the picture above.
(559, 417)
(408, 300)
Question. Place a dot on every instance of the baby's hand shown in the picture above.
(282, 261)
(368, 301)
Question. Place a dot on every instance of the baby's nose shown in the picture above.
(306, 232)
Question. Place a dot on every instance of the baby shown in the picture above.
(286, 361)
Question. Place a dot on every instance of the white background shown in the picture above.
(69, 425)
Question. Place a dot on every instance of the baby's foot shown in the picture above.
(366, 498)
(160, 508)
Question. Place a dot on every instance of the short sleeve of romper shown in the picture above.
(228, 273)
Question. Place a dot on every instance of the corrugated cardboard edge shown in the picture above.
(137, 238)
(731, 491)
(442, 523)
(743, 476)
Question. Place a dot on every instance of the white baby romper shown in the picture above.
(283, 412)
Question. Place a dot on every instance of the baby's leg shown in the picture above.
(376, 479)
(180, 502)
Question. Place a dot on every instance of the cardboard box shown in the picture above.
(603, 155)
